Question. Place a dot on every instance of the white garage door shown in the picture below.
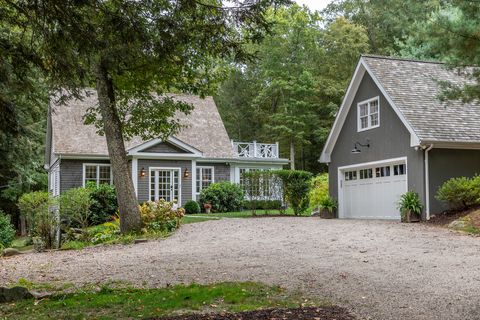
(372, 191)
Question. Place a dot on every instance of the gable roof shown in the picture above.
(412, 89)
(203, 129)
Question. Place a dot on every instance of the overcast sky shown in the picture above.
(314, 4)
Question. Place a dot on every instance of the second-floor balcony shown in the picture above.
(255, 150)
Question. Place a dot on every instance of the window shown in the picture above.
(368, 114)
(399, 169)
(382, 172)
(366, 173)
(350, 175)
(55, 180)
(204, 177)
(98, 173)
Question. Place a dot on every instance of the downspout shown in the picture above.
(427, 184)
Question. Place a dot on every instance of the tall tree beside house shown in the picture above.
(292, 91)
(23, 109)
(129, 49)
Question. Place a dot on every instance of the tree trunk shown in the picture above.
(23, 226)
(292, 155)
(127, 200)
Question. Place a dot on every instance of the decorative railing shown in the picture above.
(255, 150)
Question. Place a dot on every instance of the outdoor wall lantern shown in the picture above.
(358, 144)
(142, 172)
(186, 173)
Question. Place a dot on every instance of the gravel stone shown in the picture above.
(414, 271)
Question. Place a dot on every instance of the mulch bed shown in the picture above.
(327, 313)
(446, 217)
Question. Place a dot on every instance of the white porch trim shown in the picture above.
(174, 141)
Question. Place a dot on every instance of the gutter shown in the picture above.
(427, 184)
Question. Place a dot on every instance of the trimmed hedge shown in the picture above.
(191, 207)
(223, 196)
(296, 187)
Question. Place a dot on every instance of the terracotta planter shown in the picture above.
(326, 214)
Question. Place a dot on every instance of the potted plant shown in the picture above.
(207, 206)
(410, 207)
(328, 207)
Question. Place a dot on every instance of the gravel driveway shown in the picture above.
(378, 269)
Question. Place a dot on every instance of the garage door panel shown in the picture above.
(374, 197)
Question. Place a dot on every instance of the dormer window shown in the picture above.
(368, 113)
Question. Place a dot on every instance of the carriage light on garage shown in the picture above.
(358, 144)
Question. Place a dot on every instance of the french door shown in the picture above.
(164, 184)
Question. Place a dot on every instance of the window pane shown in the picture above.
(91, 173)
(363, 110)
(374, 119)
(364, 122)
(374, 106)
(104, 174)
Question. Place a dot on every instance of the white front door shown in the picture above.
(165, 184)
(372, 191)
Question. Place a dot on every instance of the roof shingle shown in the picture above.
(203, 128)
(414, 88)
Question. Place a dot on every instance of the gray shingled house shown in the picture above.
(178, 168)
(393, 134)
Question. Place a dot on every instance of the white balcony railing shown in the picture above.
(255, 150)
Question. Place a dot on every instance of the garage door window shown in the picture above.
(350, 175)
(399, 169)
(382, 172)
(366, 173)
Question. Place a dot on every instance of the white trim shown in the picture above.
(194, 180)
(369, 126)
(150, 169)
(98, 172)
(427, 183)
(135, 175)
(340, 178)
(213, 177)
(168, 156)
(360, 71)
(176, 142)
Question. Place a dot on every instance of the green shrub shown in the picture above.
(410, 201)
(460, 193)
(7, 232)
(319, 191)
(107, 232)
(191, 207)
(296, 187)
(262, 204)
(104, 203)
(75, 207)
(41, 221)
(161, 216)
(223, 196)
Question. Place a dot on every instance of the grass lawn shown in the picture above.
(146, 303)
(20, 244)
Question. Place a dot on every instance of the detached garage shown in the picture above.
(392, 135)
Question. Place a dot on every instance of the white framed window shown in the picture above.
(382, 172)
(205, 177)
(350, 175)
(368, 114)
(98, 173)
(55, 180)
(399, 169)
(366, 173)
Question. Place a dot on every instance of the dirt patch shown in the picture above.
(329, 313)
(444, 218)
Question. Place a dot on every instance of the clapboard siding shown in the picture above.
(71, 173)
(186, 183)
(221, 170)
